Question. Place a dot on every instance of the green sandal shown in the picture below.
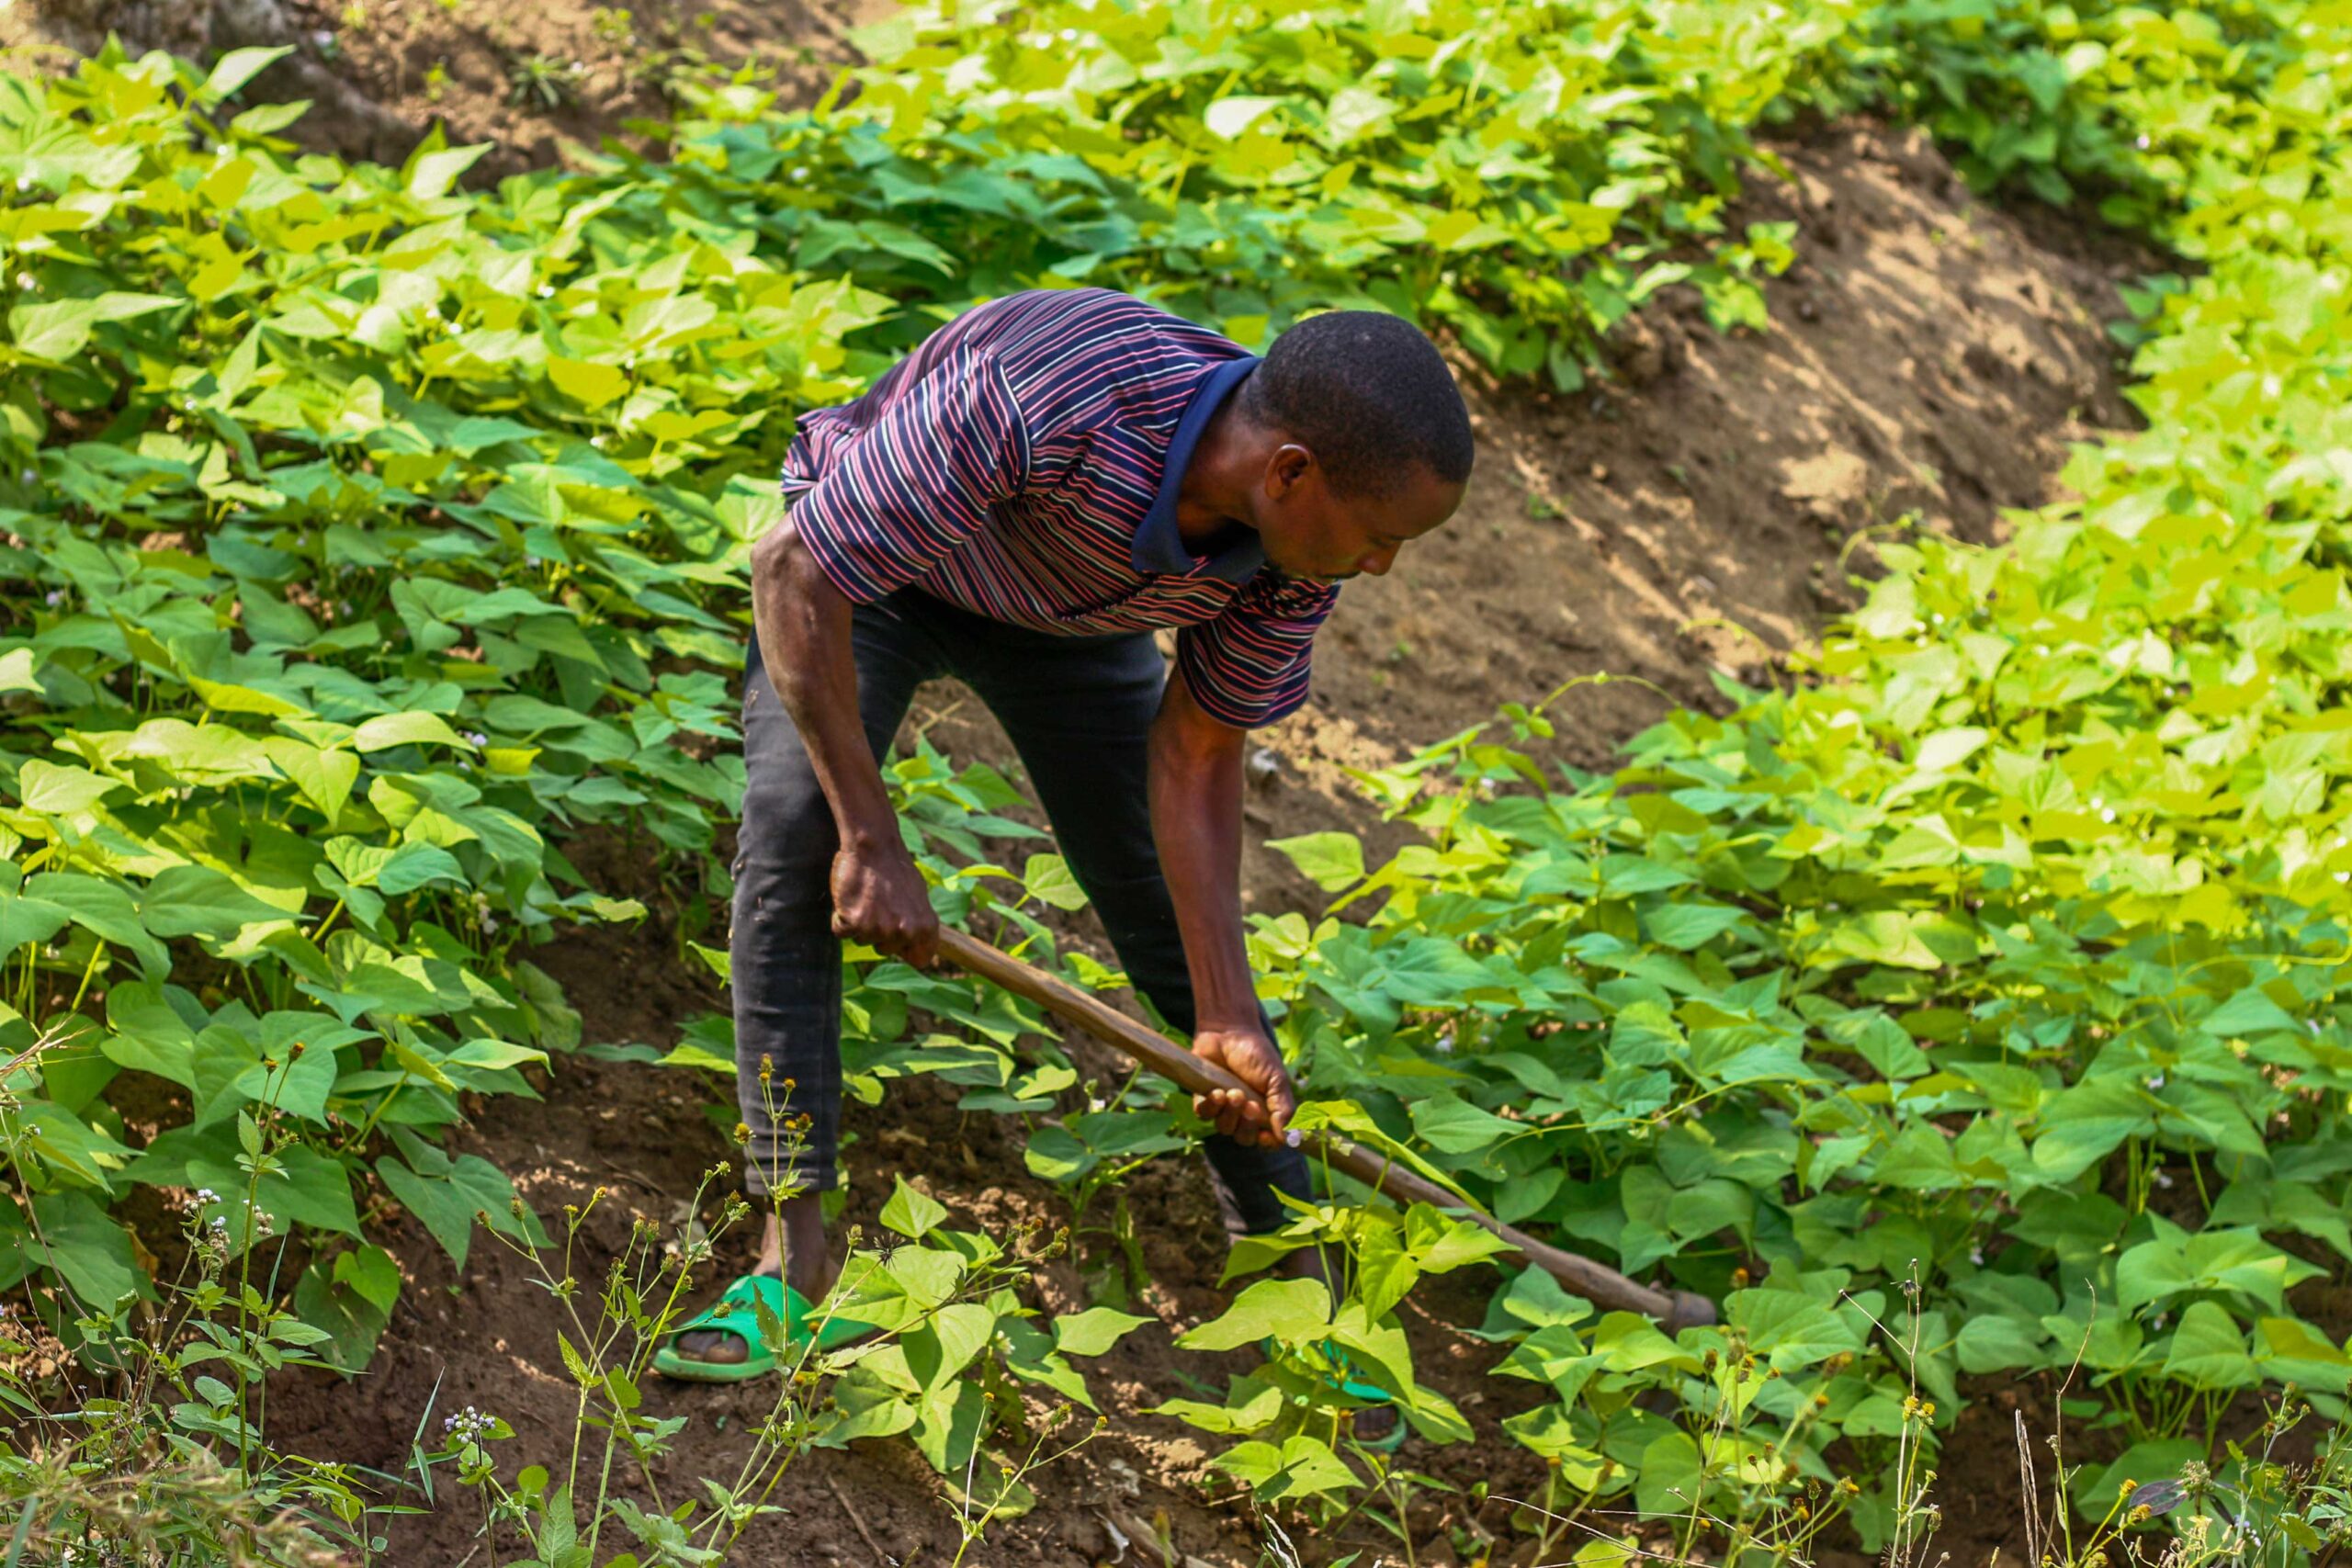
(736, 1312)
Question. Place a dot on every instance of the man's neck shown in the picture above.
(1212, 499)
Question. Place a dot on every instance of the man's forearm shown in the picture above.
(803, 625)
(1196, 824)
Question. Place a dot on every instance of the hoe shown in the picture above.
(1596, 1283)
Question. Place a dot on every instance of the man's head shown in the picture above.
(1369, 446)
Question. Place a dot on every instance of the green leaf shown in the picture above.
(1993, 1342)
(1093, 1331)
(431, 174)
(1454, 1126)
(29, 921)
(448, 1201)
(1303, 1466)
(196, 900)
(1790, 1330)
(587, 382)
(1229, 118)
(1047, 879)
(1290, 1312)
(389, 730)
(1255, 1414)
(1686, 926)
(89, 1252)
(1671, 1478)
(237, 67)
(62, 330)
(351, 1301)
(912, 1213)
(16, 666)
(2209, 1352)
(61, 791)
(1333, 862)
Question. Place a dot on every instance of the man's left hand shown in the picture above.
(1262, 1115)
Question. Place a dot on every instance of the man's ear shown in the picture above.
(1287, 469)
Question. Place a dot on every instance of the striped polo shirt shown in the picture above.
(1023, 463)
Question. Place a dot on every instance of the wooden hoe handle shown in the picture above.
(1596, 1283)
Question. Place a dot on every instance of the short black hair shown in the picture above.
(1369, 394)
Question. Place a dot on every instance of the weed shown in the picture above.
(543, 81)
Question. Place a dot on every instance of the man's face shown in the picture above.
(1309, 533)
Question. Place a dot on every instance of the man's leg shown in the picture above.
(1078, 710)
(785, 961)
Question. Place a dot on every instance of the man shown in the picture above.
(1019, 503)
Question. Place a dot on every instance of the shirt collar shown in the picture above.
(1159, 547)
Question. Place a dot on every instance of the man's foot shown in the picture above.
(719, 1347)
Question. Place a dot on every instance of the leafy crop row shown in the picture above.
(2000, 966)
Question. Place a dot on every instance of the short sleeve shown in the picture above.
(1249, 666)
(918, 482)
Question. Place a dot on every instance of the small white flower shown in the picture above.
(2140, 141)
(433, 313)
(29, 476)
(2311, 1024)
(531, 561)
(2108, 814)
(25, 280)
(546, 290)
(55, 596)
(799, 170)
(206, 1195)
(488, 924)
(475, 738)
(24, 181)
(597, 442)
(2156, 1082)
(2164, 1179)
(1977, 1256)
(2343, 876)
(1292, 1138)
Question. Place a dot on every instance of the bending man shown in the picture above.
(1019, 503)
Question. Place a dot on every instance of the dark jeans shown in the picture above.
(1077, 709)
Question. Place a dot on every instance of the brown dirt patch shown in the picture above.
(533, 80)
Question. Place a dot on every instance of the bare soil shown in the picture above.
(1931, 358)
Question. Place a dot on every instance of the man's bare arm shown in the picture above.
(803, 625)
(1195, 771)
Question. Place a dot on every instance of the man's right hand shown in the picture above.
(880, 900)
